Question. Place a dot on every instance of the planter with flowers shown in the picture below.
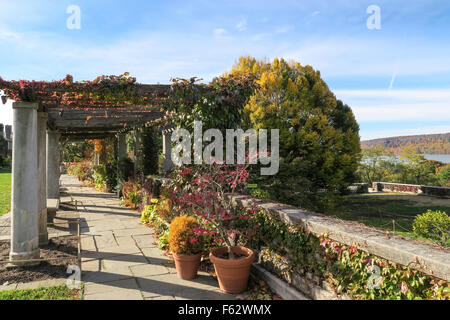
(203, 191)
(186, 246)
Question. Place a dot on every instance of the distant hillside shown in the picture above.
(425, 143)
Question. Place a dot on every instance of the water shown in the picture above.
(445, 158)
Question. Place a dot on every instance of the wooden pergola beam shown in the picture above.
(92, 135)
(99, 123)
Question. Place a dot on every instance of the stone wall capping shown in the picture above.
(425, 257)
(411, 189)
(24, 104)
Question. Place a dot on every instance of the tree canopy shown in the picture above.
(319, 136)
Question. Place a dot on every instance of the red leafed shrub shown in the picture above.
(202, 191)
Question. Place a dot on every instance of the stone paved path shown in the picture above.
(120, 259)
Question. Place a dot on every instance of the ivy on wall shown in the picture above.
(347, 269)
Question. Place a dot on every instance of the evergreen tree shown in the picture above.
(319, 136)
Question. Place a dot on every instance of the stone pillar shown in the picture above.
(167, 151)
(122, 146)
(42, 176)
(96, 158)
(121, 154)
(138, 161)
(53, 171)
(25, 185)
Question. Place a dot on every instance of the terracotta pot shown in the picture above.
(187, 265)
(232, 274)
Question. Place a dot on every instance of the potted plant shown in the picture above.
(203, 190)
(186, 246)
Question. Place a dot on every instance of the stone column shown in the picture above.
(53, 171)
(121, 154)
(25, 185)
(122, 146)
(167, 151)
(42, 176)
(138, 161)
(96, 158)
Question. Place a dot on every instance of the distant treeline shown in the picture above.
(425, 144)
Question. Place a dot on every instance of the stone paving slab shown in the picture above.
(109, 252)
(120, 258)
(117, 294)
(125, 241)
(144, 270)
(105, 276)
(145, 241)
(171, 285)
(132, 232)
(95, 288)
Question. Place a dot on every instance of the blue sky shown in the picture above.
(396, 79)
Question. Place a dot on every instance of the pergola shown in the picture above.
(109, 106)
(45, 112)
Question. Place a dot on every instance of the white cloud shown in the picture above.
(339, 56)
(399, 107)
(414, 95)
(402, 112)
(6, 112)
(242, 25)
(5, 34)
(375, 134)
(259, 36)
(283, 29)
(219, 32)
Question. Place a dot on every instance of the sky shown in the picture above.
(393, 72)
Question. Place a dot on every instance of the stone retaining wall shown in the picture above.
(359, 188)
(411, 188)
(436, 191)
(425, 257)
(396, 187)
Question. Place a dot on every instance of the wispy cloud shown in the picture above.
(219, 32)
(241, 25)
(374, 134)
(283, 29)
(371, 106)
(5, 34)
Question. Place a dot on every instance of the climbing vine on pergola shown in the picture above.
(112, 104)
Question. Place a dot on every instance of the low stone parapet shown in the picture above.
(411, 188)
(427, 258)
(396, 187)
(359, 188)
(436, 191)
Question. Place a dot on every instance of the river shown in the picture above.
(445, 158)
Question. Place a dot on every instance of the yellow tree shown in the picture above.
(319, 136)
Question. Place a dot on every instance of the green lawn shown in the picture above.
(5, 191)
(42, 293)
(384, 210)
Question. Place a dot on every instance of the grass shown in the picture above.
(42, 293)
(5, 190)
(388, 211)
